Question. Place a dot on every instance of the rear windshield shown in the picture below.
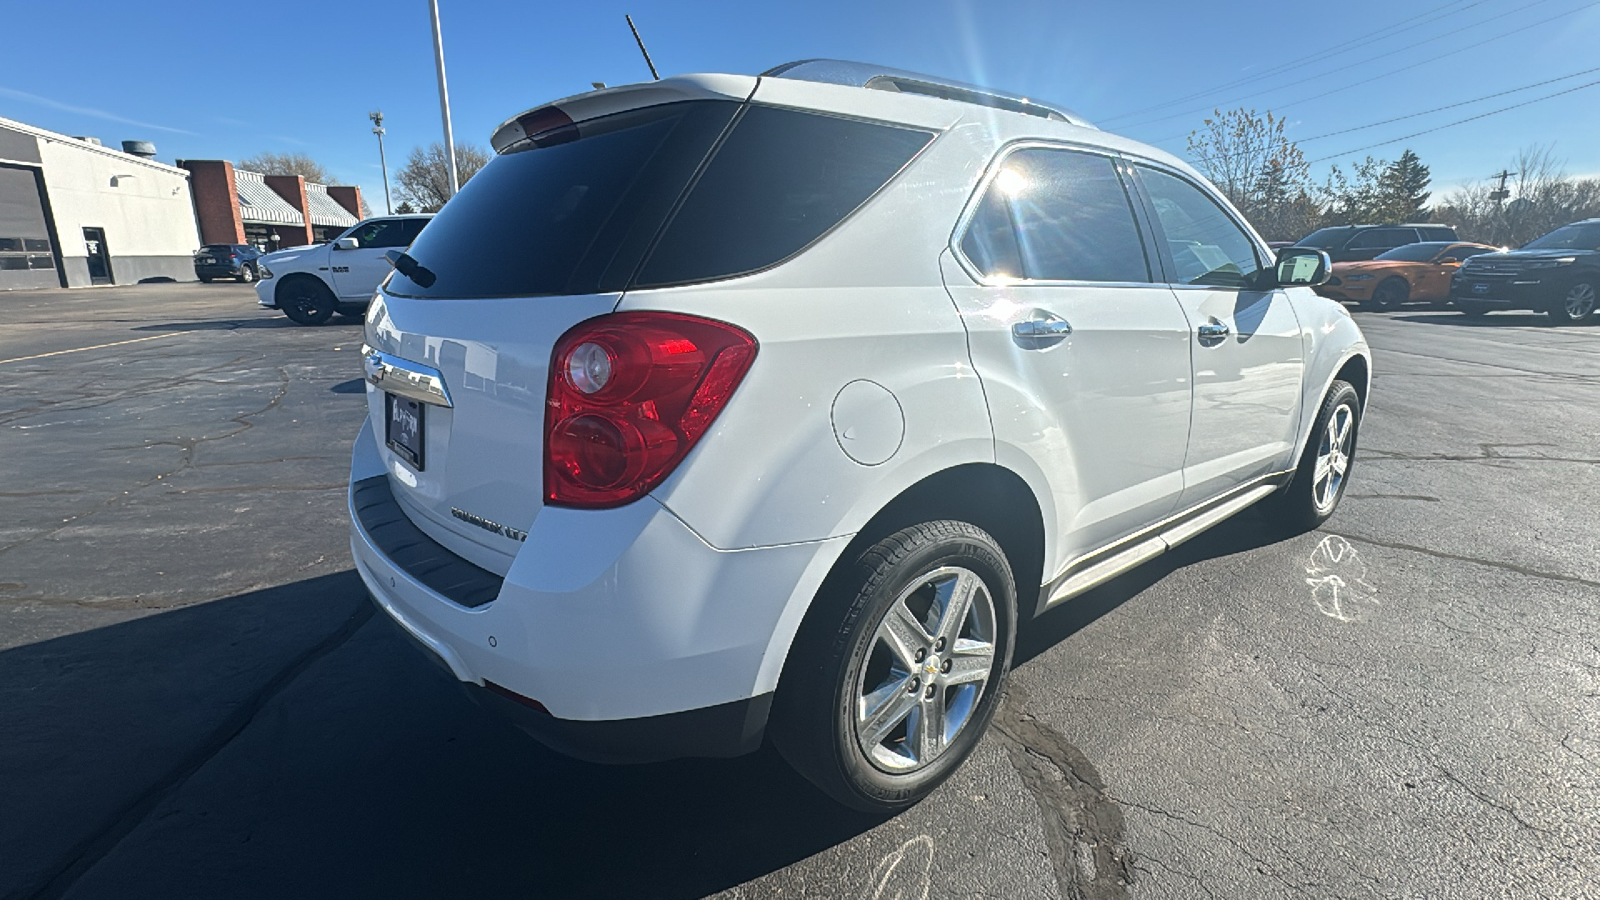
(1413, 252)
(587, 215)
(219, 248)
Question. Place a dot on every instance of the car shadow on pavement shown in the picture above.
(1492, 320)
(1246, 531)
(233, 324)
(287, 742)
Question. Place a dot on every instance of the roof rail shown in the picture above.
(882, 78)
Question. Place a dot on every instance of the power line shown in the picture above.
(1455, 123)
(1327, 53)
(1526, 87)
(1431, 59)
(1414, 65)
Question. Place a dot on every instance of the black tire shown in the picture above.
(838, 651)
(247, 274)
(205, 279)
(1390, 293)
(1303, 504)
(307, 301)
(1472, 310)
(1576, 305)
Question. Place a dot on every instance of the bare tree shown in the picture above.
(425, 180)
(1251, 160)
(1543, 198)
(287, 164)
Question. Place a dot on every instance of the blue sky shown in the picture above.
(230, 81)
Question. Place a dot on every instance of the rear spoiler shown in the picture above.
(552, 122)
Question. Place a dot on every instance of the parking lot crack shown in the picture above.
(97, 846)
(1491, 563)
(1083, 827)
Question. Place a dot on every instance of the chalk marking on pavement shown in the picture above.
(154, 337)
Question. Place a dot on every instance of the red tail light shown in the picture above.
(630, 394)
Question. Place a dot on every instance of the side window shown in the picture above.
(1437, 234)
(1207, 246)
(412, 228)
(382, 233)
(1384, 238)
(1467, 251)
(1057, 215)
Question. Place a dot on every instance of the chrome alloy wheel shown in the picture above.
(925, 669)
(1580, 301)
(1333, 457)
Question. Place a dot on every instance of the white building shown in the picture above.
(74, 213)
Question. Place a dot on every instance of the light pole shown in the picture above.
(383, 162)
(444, 98)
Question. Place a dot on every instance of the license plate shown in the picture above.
(206, 261)
(404, 433)
(1480, 288)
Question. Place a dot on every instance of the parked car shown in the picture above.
(1557, 274)
(1347, 243)
(1415, 272)
(803, 391)
(236, 261)
(310, 284)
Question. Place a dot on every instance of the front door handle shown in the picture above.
(1213, 330)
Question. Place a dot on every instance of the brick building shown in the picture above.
(234, 206)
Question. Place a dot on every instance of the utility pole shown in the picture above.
(444, 98)
(646, 53)
(1500, 194)
(377, 128)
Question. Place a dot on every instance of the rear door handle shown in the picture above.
(1213, 329)
(1041, 328)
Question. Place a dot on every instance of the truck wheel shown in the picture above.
(1319, 480)
(307, 301)
(899, 667)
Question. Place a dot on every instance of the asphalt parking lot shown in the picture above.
(196, 698)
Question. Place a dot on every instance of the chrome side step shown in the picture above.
(1100, 566)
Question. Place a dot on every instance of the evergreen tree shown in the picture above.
(1403, 189)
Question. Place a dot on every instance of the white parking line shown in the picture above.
(154, 337)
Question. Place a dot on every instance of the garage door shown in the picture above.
(26, 258)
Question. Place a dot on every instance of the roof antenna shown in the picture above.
(653, 73)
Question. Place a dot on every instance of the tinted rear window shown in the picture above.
(570, 218)
(780, 181)
(585, 216)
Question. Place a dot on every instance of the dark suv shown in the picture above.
(236, 261)
(1557, 274)
(1350, 243)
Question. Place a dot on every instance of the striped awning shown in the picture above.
(261, 205)
(325, 210)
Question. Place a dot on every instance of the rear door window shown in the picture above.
(1057, 215)
(780, 180)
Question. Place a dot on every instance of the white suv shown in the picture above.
(312, 283)
(726, 406)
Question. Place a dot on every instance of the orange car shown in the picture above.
(1412, 272)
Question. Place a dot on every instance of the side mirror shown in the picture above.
(1302, 267)
(1446, 260)
(346, 244)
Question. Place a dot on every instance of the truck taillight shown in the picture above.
(630, 395)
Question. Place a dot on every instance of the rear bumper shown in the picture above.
(615, 635)
(216, 271)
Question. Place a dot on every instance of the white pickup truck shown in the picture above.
(310, 284)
